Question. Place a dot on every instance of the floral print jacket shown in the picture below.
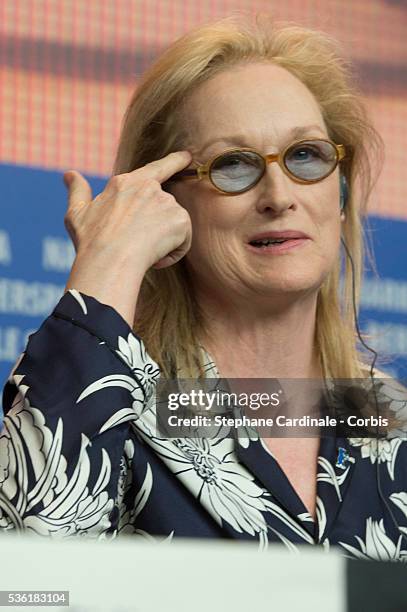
(79, 455)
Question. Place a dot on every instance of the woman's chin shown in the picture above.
(289, 287)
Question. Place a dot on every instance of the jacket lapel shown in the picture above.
(335, 468)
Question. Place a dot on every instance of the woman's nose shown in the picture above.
(276, 190)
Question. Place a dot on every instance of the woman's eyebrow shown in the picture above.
(240, 139)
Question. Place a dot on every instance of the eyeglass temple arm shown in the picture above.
(341, 151)
(189, 173)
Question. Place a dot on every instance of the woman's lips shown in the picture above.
(275, 234)
(275, 249)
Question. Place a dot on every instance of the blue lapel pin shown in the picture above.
(343, 458)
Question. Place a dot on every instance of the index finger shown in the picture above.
(162, 169)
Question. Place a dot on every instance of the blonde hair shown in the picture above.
(168, 318)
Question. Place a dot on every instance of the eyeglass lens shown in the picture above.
(238, 170)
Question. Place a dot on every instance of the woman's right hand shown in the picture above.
(128, 228)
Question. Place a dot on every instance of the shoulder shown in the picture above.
(392, 398)
(377, 373)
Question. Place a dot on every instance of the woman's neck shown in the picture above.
(257, 342)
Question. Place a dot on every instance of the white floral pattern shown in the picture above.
(400, 500)
(328, 475)
(68, 506)
(383, 450)
(377, 545)
(214, 477)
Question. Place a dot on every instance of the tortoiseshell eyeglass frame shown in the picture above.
(204, 170)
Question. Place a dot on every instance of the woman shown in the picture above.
(230, 269)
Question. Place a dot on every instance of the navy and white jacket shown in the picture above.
(80, 455)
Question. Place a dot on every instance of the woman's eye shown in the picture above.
(239, 162)
(310, 154)
(306, 153)
(231, 161)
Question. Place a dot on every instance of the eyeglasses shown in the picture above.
(238, 170)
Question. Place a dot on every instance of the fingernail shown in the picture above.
(67, 179)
